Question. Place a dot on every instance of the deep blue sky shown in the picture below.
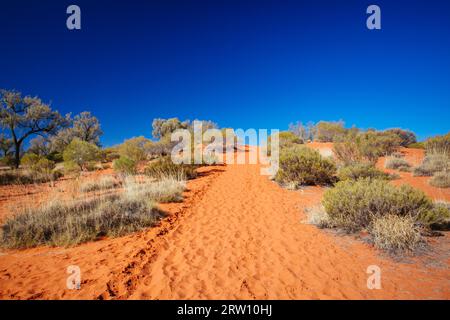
(243, 64)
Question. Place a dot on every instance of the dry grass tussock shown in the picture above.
(81, 220)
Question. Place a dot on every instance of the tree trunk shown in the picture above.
(17, 155)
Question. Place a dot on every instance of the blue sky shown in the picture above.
(243, 64)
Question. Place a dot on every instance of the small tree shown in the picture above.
(135, 149)
(163, 127)
(81, 153)
(406, 137)
(84, 127)
(329, 131)
(27, 116)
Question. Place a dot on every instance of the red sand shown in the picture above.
(237, 235)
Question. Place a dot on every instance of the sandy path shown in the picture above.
(244, 240)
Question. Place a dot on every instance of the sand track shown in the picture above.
(245, 239)
(237, 235)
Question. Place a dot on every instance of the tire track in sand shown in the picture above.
(243, 239)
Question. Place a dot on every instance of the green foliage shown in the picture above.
(135, 148)
(164, 167)
(164, 127)
(29, 160)
(304, 166)
(352, 205)
(360, 170)
(329, 131)
(81, 153)
(125, 165)
(365, 147)
(406, 137)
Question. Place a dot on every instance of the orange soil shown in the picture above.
(237, 235)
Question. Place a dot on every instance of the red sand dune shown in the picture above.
(237, 235)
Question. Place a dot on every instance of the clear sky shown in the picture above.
(243, 64)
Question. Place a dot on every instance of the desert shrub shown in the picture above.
(81, 153)
(169, 189)
(288, 139)
(396, 163)
(439, 215)
(71, 168)
(360, 170)
(406, 137)
(352, 205)
(161, 148)
(125, 165)
(304, 166)
(365, 146)
(104, 183)
(417, 145)
(431, 164)
(164, 167)
(318, 217)
(135, 148)
(7, 161)
(15, 177)
(329, 131)
(29, 160)
(395, 233)
(441, 179)
(110, 154)
(438, 145)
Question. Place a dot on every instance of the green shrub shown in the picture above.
(431, 164)
(164, 167)
(125, 165)
(29, 160)
(365, 147)
(360, 170)
(135, 149)
(352, 205)
(304, 166)
(441, 179)
(395, 233)
(71, 168)
(406, 137)
(396, 163)
(329, 131)
(81, 153)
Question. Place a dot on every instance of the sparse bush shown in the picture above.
(438, 145)
(329, 131)
(318, 217)
(441, 179)
(29, 160)
(288, 139)
(361, 170)
(135, 149)
(431, 164)
(125, 165)
(365, 147)
(406, 137)
(71, 168)
(395, 233)
(164, 167)
(105, 183)
(304, 166)
(81, 153)
(352, 205)
(396, 163)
